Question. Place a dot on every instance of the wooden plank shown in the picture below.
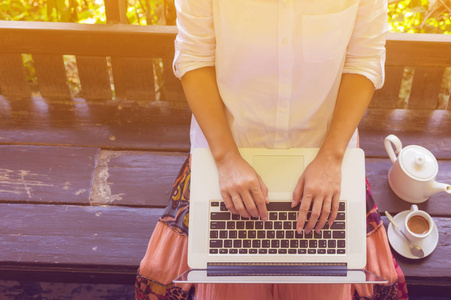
(51, 75)
(436, 266)
(387, 97)
(377, 174)
(13, 82)
(428, 50)
(94, 78)
(42, 174)
(425, 87)
(68, 236)
(135, 178)
(134, 125)
(119, 40)
(140, 79)
(428, 128)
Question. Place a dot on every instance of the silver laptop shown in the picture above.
(227, 248)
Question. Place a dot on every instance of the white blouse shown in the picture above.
(279, 62)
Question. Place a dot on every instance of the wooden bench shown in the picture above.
(84, 178)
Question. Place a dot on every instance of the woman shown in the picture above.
(274, 74)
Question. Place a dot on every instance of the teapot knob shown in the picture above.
(420, 159)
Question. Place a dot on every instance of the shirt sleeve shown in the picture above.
(195, 43)
(366, 49)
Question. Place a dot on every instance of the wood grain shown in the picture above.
(387, 97)
(428, 128)
(75, 235)
(31, 174)
(134, 125)
(425, 88)
(135, 178)
(13, 82)
(94, 78)
(51, 74)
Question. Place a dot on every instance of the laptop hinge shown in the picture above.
(276, 269)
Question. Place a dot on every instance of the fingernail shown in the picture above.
(307, 231)
(292, 204)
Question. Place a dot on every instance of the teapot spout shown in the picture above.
(437, 187)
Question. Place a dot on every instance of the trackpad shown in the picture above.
(279, 173)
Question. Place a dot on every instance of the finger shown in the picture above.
(239, 206)
(264, 190)
(303, 211)
(260, 201)
(316, 211)
(334, 208)
(298, 192)
(229, 203)
(325, 212)
(250, 204)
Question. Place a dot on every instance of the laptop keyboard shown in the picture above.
(233, 234)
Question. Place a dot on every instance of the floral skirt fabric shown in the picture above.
(166, 259)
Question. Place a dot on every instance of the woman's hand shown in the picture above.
(242, 189)
(320, 184)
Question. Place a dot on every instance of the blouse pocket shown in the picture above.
(326, 36)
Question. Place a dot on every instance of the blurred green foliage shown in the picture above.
(412, 16)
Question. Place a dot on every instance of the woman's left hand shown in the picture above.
(320, 184)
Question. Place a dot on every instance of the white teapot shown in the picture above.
(412, 175)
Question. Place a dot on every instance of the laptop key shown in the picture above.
(282, 251)
(270, 234)
(256, 244)
(327, 234)
(252, 251)
(331, 251)
(309, 235)
(294, 243)
(338, 234)
(287, 225)
(223, 251)
(285, 243)
(262, 251)
(268, 225)
(341, 251)
(223, 234)
(331, 244)
(303, 244)
(340, 216)
(237, 243)
(223, 207)
(230, 225)
(302, 251)
(273, 216)
(249, 225)
(317, 235)
(277, 225)
(321, 251)
(235, 217)
(252, 234)
(291, 251)
(215, 243)
(259, 225)
(280, 234)
(311, 251)
(228, 244)
(289, 234)
(220, 216)
(214, 203)
(233, 251)
(291, 216)
(213, 234)
(312, 243)
(261, 234)
(282, 216)
(243, 251)
(275, 244)
(341, 243)
(272, 251)
(213, 251)
(322, 244)
(338, 225)
(217, 225)
(239, 225)
(247, 243)
(233, 234)
(242, 234)
(266, 243)
(341, 206)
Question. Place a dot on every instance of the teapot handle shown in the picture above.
(398, 145)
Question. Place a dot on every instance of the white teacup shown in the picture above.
(418, 224)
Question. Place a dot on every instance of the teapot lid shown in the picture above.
(418, 162)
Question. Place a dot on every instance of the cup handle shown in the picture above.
(414, 208)
(392, 139)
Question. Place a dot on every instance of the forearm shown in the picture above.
(354, 95)
(203, 97)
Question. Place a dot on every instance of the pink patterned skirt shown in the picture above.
(166, 259)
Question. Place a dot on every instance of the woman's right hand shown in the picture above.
(242, 189)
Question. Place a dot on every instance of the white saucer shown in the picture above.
(399, 243)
